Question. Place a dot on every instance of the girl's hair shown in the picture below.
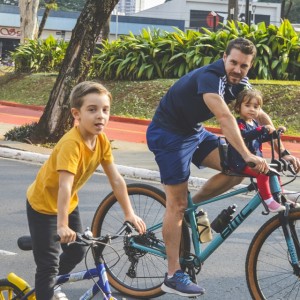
(84, 88)
(246, 96)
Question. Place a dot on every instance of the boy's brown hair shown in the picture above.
(84, 88)
(246, 96)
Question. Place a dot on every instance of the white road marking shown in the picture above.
(3, 252)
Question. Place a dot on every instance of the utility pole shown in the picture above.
(247, 17)
(233, 10)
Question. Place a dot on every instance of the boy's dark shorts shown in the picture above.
(174, 153)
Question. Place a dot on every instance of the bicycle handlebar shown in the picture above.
(85, 238)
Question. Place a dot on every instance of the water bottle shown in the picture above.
(223, 219)
(204, 230)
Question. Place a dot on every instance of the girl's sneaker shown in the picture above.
(293, 204)
(275, 207)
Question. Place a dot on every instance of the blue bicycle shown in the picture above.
(15, 288)
(272, 262)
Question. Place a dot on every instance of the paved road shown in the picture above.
(223, 273)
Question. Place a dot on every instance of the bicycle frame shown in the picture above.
(102, 285)
(202, 254)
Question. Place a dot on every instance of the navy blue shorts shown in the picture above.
(174, 153)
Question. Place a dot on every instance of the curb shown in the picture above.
(137, 173)
(28, 106)
(145, 122)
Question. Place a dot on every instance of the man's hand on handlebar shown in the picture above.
(259, 164)
(294, 161)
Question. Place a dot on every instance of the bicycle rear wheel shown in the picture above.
(9, 291)
(268, 268)
(145, 280)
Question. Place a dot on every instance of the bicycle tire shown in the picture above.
(9, 291)
(149, 203)
(268, 270)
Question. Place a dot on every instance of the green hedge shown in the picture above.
(160, 54)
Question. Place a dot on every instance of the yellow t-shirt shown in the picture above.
(70, 154)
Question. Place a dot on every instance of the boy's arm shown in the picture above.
(66, 180)
(120, 190)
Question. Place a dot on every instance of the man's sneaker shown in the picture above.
(58, 294)
(181, 284)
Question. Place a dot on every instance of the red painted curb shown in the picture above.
(217, 130)
(29, 106)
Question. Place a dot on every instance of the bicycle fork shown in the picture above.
(291, 239)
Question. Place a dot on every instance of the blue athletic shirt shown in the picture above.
(182, 108)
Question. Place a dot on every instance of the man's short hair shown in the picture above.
(244, 45)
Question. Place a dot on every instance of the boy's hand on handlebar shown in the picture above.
(66, 234)
(137, 222)
(259, 164)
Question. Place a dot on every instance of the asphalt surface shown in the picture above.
(223, 274)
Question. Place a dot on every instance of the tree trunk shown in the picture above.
(49, 6)
(282, 9)
(28, 19)
(233, 10)
(106, 30)
(57, 119)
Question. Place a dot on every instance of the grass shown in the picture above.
(139, 99)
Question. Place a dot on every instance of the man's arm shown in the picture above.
(231, 131)
(264, 119)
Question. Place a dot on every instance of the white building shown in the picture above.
(196, 13)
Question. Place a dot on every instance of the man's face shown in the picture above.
(237, 65)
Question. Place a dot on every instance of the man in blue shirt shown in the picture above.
(177, 138)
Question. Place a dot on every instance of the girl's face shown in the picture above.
(250, 109)
(93, 115)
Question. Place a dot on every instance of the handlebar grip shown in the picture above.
(56, 238)
(251, 164)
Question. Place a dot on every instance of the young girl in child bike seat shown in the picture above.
(248, 105)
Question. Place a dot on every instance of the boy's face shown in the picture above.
(93, 115)
(237, 65)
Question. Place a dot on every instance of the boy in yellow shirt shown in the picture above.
(52, 200)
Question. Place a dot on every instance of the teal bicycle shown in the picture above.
(272, 262)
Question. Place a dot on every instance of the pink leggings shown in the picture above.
(262, 182)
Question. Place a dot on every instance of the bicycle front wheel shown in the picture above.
(9, 291)
(131, 271)
(269, 272)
